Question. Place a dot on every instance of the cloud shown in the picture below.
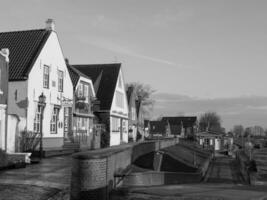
(168, 17)
(246, 110)
(114, 47)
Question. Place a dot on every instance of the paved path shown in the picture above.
(193, 192)
(224, 170)
(38, 181)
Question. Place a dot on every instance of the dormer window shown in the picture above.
(46, 77)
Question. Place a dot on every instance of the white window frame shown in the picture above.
(54, 121)
(37, 120)
(60, 81)
(46, 77)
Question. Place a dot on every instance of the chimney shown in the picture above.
(50, 25)
(5, 52)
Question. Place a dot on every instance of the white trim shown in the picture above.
(3, 106)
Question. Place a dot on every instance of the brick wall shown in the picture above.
(93, 171)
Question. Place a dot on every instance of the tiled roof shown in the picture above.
(24, 47)
(109, 75)
(75, 75)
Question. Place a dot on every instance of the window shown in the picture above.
(83, 91)
(119, 99)
(37, 120)
(60, 81)
(120, 82)
(115, 124)
(54, 120)
(46, 76)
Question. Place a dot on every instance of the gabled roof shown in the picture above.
(24, 47)
(106, 75)
(75, 75)
(186, 121)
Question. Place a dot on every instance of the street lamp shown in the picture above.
(41, 103)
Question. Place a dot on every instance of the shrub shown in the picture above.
(3, 159)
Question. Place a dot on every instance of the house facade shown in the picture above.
(110, 91)
(4, 60)
(210, 140)
(140, 120)
(37, 67)
(83, 131)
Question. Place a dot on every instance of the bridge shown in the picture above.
(96, 173)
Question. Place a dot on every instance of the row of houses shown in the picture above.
(47, 99)
(179, 126)
(186, 127)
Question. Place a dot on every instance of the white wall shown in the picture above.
(2, 126)
(119, 112)
(52, 56)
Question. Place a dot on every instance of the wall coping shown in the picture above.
(106, 152)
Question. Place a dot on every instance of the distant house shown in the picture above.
(211, 140)
(37, 67)
(180, 126)
(140, 119)
(131, 98)
(157, 128)
(83, 117)
(4, 60)
(110, 91)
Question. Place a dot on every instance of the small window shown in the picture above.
(120, 82)
(46, 76)
(54, 121)
(86, 92)
(60, 81)
(115, 124)
(119, 99)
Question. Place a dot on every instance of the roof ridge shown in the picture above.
(84, 65)
(18, 31)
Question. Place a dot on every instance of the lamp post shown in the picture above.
(41, 103)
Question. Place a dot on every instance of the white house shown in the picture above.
(4, 60)
(37, 66)
(84, 133)
(110, 91)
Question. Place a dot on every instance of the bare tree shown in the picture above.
(144, 92)
(210, 121)
(238, 130)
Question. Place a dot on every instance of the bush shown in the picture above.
(3, 159)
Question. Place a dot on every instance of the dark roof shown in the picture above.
(75, 75)
(138, 106)
(104, 77)
(24, 47)
(157, 127)
(187, 121)
(130, 94)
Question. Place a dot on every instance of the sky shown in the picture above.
(203, 51)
